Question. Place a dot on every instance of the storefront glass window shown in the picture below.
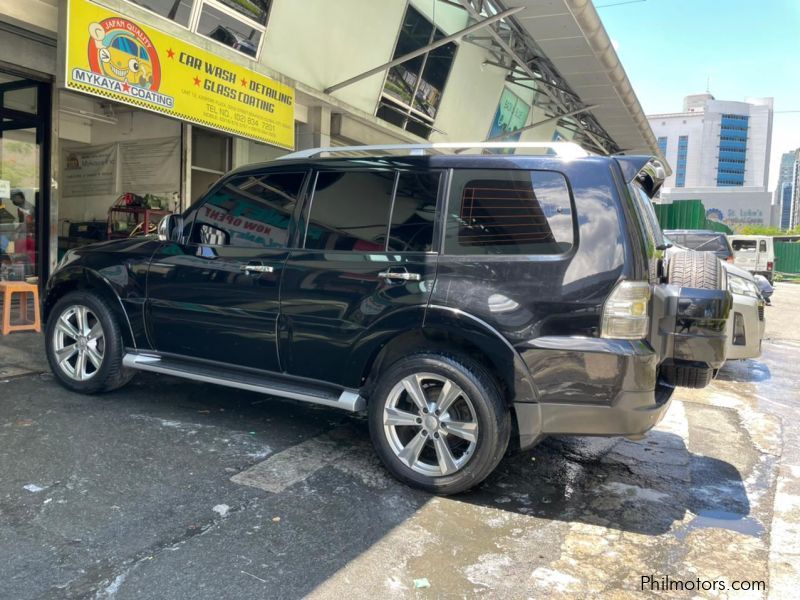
(22, 99)
(414, 88)
(22, 130)
(211, 159)
(254, 9)
(175, 10)
(229, 30)
(19, 194)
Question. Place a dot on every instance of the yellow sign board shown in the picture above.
(112, 56)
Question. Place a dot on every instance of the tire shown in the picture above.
(695, 270)
(684, 376)
(474, 403)
(100, 347)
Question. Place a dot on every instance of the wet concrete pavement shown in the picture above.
(172, 489)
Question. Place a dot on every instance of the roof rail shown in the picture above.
(561, 149)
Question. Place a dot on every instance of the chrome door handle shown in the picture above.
(403, 275)
(258, 269)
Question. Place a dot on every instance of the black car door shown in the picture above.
(214, 295)
(355, 270)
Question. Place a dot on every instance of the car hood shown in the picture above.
(738, 271)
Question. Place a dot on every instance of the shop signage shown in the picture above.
(112, 56)
(511, 114)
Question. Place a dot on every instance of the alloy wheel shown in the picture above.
(430, 424)
(79, 343)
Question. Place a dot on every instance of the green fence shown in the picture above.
(687, 214)
(787, 257)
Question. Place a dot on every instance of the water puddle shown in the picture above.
(720, 519)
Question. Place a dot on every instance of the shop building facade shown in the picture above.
(115, 112)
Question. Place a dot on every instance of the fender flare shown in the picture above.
(84, 278)
(491, 341)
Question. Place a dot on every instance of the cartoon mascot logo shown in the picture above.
(120, 50)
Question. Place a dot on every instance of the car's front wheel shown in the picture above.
(439, 422)
(84, 344)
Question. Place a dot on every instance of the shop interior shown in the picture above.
(22, 131)
(121, 169)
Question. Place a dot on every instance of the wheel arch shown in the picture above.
(85, 279)
(449, 330)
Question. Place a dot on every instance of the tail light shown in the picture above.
(625, 314)
(769, 265)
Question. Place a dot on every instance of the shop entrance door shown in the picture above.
(24, 177)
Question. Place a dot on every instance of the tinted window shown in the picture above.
(509, 212)
(413, 89)
(228, 30)
(175, 10)
(744, 245)
(414, 212)
(350, 211)
(762, 246)
(255, 9)
(249, 211)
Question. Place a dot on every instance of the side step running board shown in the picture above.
(347, 399)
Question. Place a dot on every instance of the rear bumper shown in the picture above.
(631, 413)
(746, 311)
(593, 386)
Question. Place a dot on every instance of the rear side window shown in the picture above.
(509, 212)
(373, 211)
(745, 245)
(350, 210)
(414, 212)
(250, 211)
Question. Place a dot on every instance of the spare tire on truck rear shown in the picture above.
(692, 269)
(695, 270)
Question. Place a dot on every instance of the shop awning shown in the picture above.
(561, 48)
(572, 36)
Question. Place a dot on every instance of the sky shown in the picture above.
(735, 48)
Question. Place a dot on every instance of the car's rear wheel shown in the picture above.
(439, 422)
(84, 344)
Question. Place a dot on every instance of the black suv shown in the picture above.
(469, 303)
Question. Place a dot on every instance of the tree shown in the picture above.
(763, 230)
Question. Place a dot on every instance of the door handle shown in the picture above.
(258, 269)
(401, 275)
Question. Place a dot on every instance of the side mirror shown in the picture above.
(170, 228)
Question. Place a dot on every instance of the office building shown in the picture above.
(720, 152)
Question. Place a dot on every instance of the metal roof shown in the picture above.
(573, 38)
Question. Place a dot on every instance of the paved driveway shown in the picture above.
(173, 489)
